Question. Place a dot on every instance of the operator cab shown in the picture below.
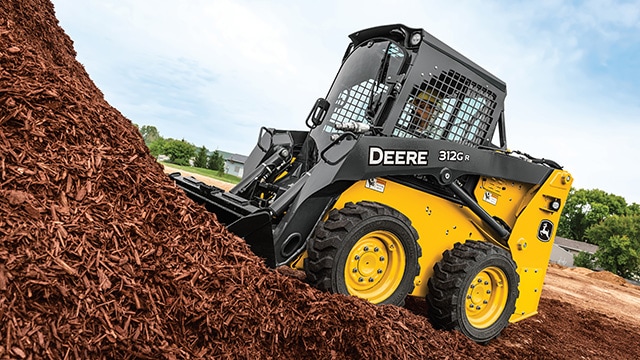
(443, 95)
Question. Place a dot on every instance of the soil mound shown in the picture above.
(608, 276)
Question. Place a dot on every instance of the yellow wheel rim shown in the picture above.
(486, 297)
(375, 266)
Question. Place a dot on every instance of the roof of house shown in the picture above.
(237, 158)
(576, 245)
(231, 157)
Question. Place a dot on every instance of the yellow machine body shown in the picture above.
(441, 223)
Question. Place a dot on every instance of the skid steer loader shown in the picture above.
(403, 186)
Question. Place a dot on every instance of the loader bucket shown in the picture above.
(256, 230)
(243, 219)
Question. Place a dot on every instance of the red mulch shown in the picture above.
(101, 256)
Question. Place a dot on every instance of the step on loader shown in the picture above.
(403, 186)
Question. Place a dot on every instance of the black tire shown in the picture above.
(473, 289)
(375, 243)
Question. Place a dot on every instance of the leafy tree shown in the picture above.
(585, 208)
(618, 239)
(585, 260)
(179, 151)
(149, 134)
(201, 158)
(156, 147)
(633, 209)
(216, 162)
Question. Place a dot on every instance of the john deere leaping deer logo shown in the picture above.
(545, 230)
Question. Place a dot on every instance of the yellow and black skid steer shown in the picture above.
(403, 186)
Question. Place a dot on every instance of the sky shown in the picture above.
(212, 72)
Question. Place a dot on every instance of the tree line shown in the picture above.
(607, 220)
(180, 152)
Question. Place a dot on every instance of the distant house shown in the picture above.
(574, 247)
(233, 163)
(565, 249)
(561, 256)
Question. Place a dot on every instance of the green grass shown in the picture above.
(205, 172)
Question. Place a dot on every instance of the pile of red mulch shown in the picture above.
(101, 256)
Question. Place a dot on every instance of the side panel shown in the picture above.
(439, 222)
(503, 198)
(532, 239)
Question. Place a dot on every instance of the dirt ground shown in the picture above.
(205, 179)
(602, 292)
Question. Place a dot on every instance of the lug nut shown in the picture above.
(479, 280)
(485, 302)
(366, 248)
(488, 291)
(379, 271)
(360, 279)
(478, 307)
(376, 249)
(370, 279)
(357, 257)
(355, 270)
(486, 283)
